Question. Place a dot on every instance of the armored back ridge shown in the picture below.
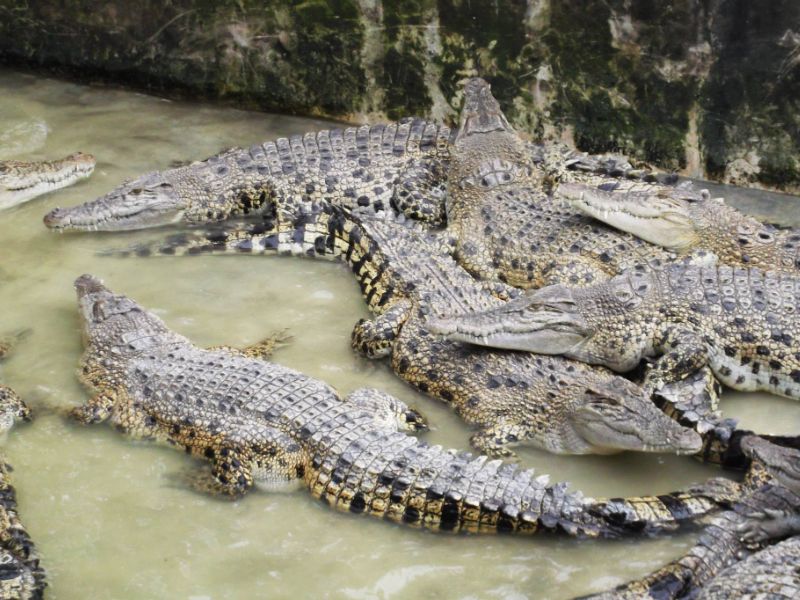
(259, 422)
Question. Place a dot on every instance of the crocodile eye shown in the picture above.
(136, 191)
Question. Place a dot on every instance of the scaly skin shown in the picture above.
(728, 560)
(258, 421)
(684, 221)
(21, 576)
(366, 166)
(741, 322)
(505, 225)
(22, 181)
(407, 275)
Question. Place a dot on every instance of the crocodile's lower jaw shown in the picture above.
(57, 221)
(672, 234)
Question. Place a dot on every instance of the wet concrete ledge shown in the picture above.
(707, 88)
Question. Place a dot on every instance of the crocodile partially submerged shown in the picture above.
(683, 220)
(734, 557)
(741, 322)
(21, 575)
(256, 421)
(21, 181)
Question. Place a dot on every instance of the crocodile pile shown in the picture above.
(582, 262)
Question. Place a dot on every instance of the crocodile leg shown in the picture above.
(96, 410)
(769, 524)
(494, 440)
(419, 193)
(263, 349)
(682, 352)
(374, 337)
(230, 475)
(389, 412)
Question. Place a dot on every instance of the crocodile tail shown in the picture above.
(324, 231)
(719, 546)
(651, 514)
(402, 479)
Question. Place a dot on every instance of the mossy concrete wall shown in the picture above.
(709, 87)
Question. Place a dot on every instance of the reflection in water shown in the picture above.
(109, 514)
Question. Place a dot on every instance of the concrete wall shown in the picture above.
(710, 87)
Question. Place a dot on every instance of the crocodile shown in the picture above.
(21, 574)
(365, 167)
(683, 220)
(730, 559)
(742, 322)
(21, 181)
(504, 223)
(257, 422)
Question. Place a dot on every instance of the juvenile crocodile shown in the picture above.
(741, 322)
(22, 181)
(363, 166)
(21, 576)
(260, 422)
(728, 560)
(506, 226)
(683, 220)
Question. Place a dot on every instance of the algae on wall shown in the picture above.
(706, 86)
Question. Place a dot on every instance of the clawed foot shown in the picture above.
(265, 348)
(765, 525)
(781, 462)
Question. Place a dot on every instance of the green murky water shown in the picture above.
(110, 516)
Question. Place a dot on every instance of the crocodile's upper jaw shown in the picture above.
(664, 221)
(150, 201)
(542, 332)
(22, 181)
(481, 112)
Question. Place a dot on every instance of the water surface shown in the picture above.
(112, 518)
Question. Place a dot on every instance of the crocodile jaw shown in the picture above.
(147, 202)
(22, 181)
(542, 332)
(620, 417)
(666, 222)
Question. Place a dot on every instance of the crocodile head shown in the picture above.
(781, 462)
(487, 152)
(20, 181)
(668, 218)
(557, 319)
(543, 321)
(151, 200)
(617, 415)
(115, 326)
